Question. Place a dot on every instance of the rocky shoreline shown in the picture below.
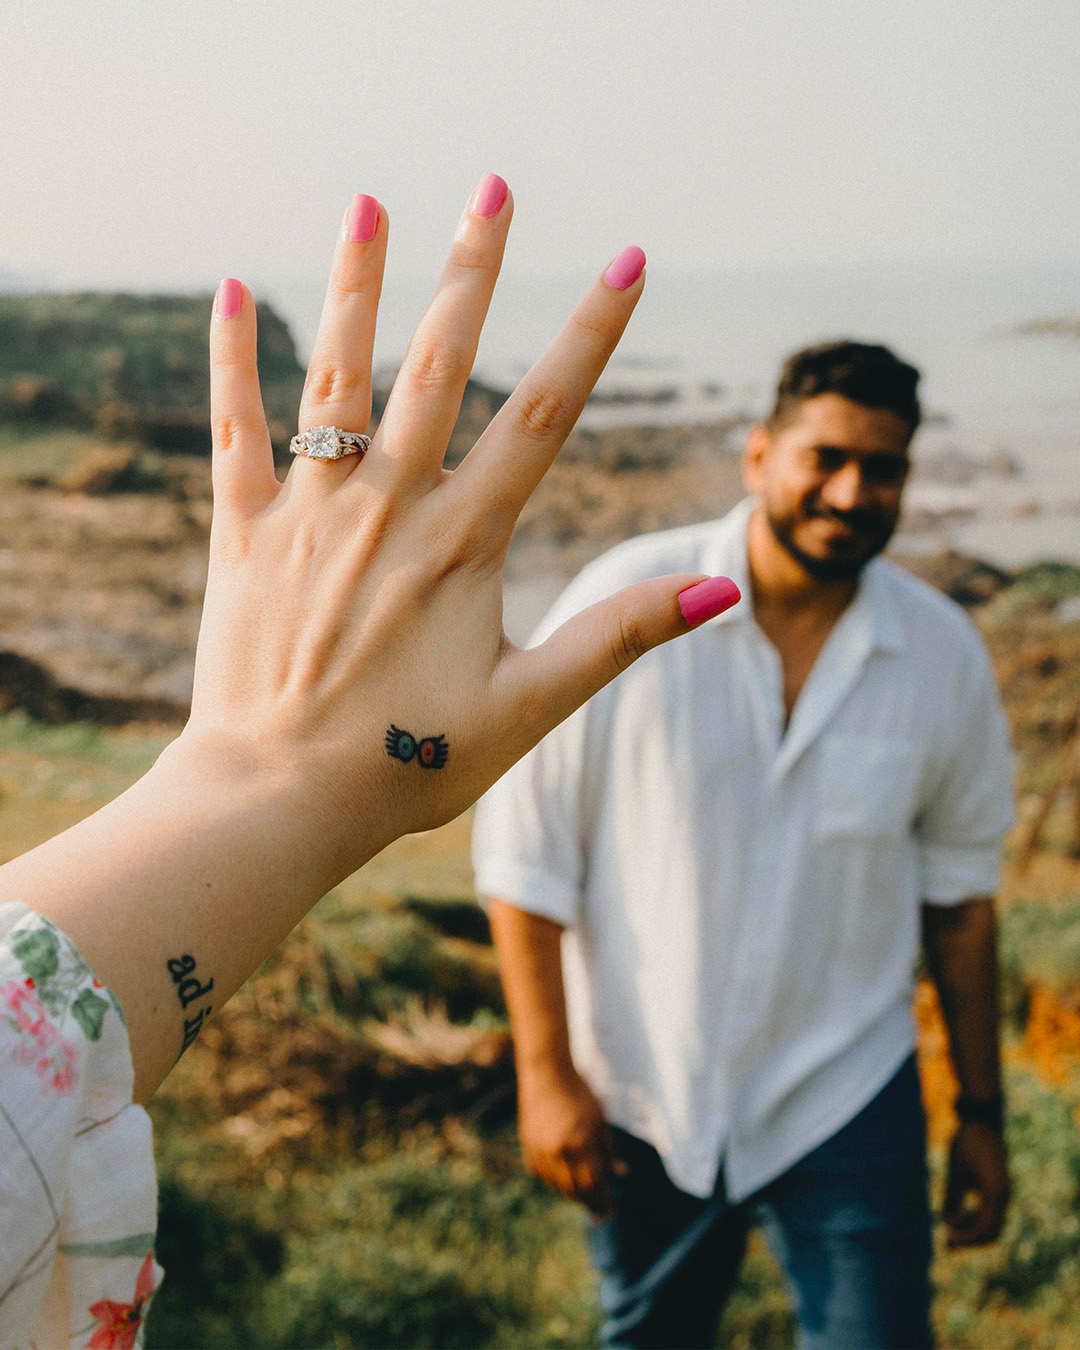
(102, 570)
(105, 494)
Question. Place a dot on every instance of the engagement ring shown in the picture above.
(329, 443)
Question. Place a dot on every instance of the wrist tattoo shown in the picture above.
(189, 989)
(430, 752)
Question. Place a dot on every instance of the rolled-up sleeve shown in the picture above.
(78, 1197)
(529, 836)
(971, 805)
(527, 840)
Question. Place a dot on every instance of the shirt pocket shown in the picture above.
(868, 787)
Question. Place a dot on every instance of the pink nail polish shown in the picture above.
(707, 599)
(489, 196)
(363, 219)
(230, 296)
(626, 268)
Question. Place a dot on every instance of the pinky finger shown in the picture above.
(243, 464)
(589, 650)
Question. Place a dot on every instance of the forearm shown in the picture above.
(961, 953)
(564, 1136)
(530, 961)
(177, 891)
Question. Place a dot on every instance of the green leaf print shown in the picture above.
(89, 1011)
(138, 1244)
(39, 952)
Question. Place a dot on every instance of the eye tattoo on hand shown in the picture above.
(429, 753)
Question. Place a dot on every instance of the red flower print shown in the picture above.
(44, 1047)
(24, 1007)
(120, 1322)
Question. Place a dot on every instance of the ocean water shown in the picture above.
(951, 320)
(986, 388)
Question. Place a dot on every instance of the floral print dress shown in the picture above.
(78, 1195)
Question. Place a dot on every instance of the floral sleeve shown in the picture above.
(78, 1197)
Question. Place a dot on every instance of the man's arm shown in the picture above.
(961, 953)
(564, 1136)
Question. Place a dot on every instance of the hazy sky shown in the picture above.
(163, 145)
(152, 140)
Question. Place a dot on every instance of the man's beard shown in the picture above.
(872, 529)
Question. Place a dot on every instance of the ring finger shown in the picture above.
(426, 398)
(337, 391)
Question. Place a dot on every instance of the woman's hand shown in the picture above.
(362, 598)
(352, 614)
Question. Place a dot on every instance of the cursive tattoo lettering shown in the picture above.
(189, 988)
(193, 1025)
(430, 752)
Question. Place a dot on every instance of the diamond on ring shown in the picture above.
(329, 443)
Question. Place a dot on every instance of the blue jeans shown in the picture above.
(849, 1223)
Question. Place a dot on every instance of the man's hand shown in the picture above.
(978, 1187)
(961, 952)
(565, 1138)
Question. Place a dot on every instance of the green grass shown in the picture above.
(28, 452)
(53, 776)
(142, 349)
(1023, 1293)
(418, 1228)
(415, 1246)
(128, 752)
(1038, 586)
(424, 1247)
(1038, 943)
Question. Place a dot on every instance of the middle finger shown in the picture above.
(337, 391)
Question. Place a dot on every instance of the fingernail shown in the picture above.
(707, 599)
(488, 198)
(626, 268)
(230, 296)
(362, 222)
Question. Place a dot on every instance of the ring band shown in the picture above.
(329, 443)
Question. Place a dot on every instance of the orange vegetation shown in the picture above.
(939, 1085)
(1051, 1047)
(1051, 1035)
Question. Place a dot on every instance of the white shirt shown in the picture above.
(78, 1196)
(741, 902)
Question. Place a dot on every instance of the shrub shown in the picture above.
(218, 1262)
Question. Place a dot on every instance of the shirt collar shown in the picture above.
(727, 556)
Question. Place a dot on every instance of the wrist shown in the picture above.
(986, 1111)
(541, 1071)
(240, 774)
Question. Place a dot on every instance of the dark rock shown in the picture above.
(968, 581)
(133, 366)
(110, 470)
(27, 686)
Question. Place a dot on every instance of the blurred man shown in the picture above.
(707, 890)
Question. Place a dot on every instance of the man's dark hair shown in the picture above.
(860, 371)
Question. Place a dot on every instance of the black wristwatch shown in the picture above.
(982, 1111)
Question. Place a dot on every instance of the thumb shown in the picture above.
(590, 649)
